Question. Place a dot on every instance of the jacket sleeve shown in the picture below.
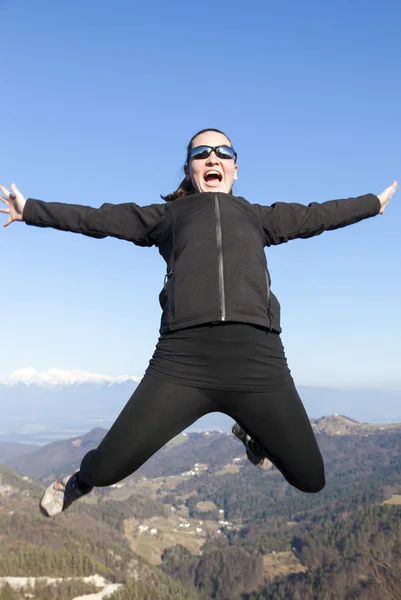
(137, 224)
(282, 221)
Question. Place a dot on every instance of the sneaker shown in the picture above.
(259, 461)
(61, 494)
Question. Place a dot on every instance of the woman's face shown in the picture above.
(211, 174)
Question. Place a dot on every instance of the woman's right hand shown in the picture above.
(15, 202)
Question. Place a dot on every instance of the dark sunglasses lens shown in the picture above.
(225, 152)
(200, 152)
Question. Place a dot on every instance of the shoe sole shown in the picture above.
(46, 510)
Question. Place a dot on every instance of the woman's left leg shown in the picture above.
(277, 422)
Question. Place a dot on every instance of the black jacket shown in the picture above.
(213, 244)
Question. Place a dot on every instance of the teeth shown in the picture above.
(213, 173)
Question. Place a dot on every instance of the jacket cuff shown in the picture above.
(28, 214)
(374, 203)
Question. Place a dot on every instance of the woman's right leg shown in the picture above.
(156, 412)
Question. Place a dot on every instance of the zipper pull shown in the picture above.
(167, 275)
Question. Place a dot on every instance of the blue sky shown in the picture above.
(99, 100)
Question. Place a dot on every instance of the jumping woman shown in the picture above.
(219, 347)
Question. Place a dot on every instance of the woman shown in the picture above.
(220, 346)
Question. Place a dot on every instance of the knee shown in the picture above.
(312, 487)
(312, 484)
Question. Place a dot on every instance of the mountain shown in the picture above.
(35, 403)
(217, 449)
(340, 425)
(38, 404)
(37, 408)
(57, 458)
(10, 450)
(15, 484)
(60, 458)
(80, 551)
(198, 521)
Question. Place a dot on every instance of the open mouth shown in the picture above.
(213, 177)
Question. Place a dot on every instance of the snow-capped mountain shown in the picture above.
(37, 404)
(59, 377)
(32, 399)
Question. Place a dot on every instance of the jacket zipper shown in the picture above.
(220, 258)
(269, 309)
(268, 289)
(169, 276)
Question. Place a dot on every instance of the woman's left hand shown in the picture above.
(386, 194)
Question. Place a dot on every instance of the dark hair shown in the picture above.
(185, 188)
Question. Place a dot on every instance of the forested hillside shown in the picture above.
(198, 521)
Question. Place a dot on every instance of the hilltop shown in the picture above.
(341, 425)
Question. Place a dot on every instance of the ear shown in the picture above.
(187, 173)
(235, 173)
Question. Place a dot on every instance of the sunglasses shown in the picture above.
(224, 152)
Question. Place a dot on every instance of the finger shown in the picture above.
(391, 188)
(4, 210)
(388, 192)
(14, 189)
(391, 191)
(6, 193)
(8, 222)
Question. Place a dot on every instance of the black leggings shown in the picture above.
(159, 410)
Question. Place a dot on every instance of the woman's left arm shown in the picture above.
(288, 221)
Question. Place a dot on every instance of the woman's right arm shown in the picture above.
(137, 224)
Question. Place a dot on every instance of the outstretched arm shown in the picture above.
(288, 221)
(138, 224)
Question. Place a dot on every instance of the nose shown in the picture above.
(212, 158)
